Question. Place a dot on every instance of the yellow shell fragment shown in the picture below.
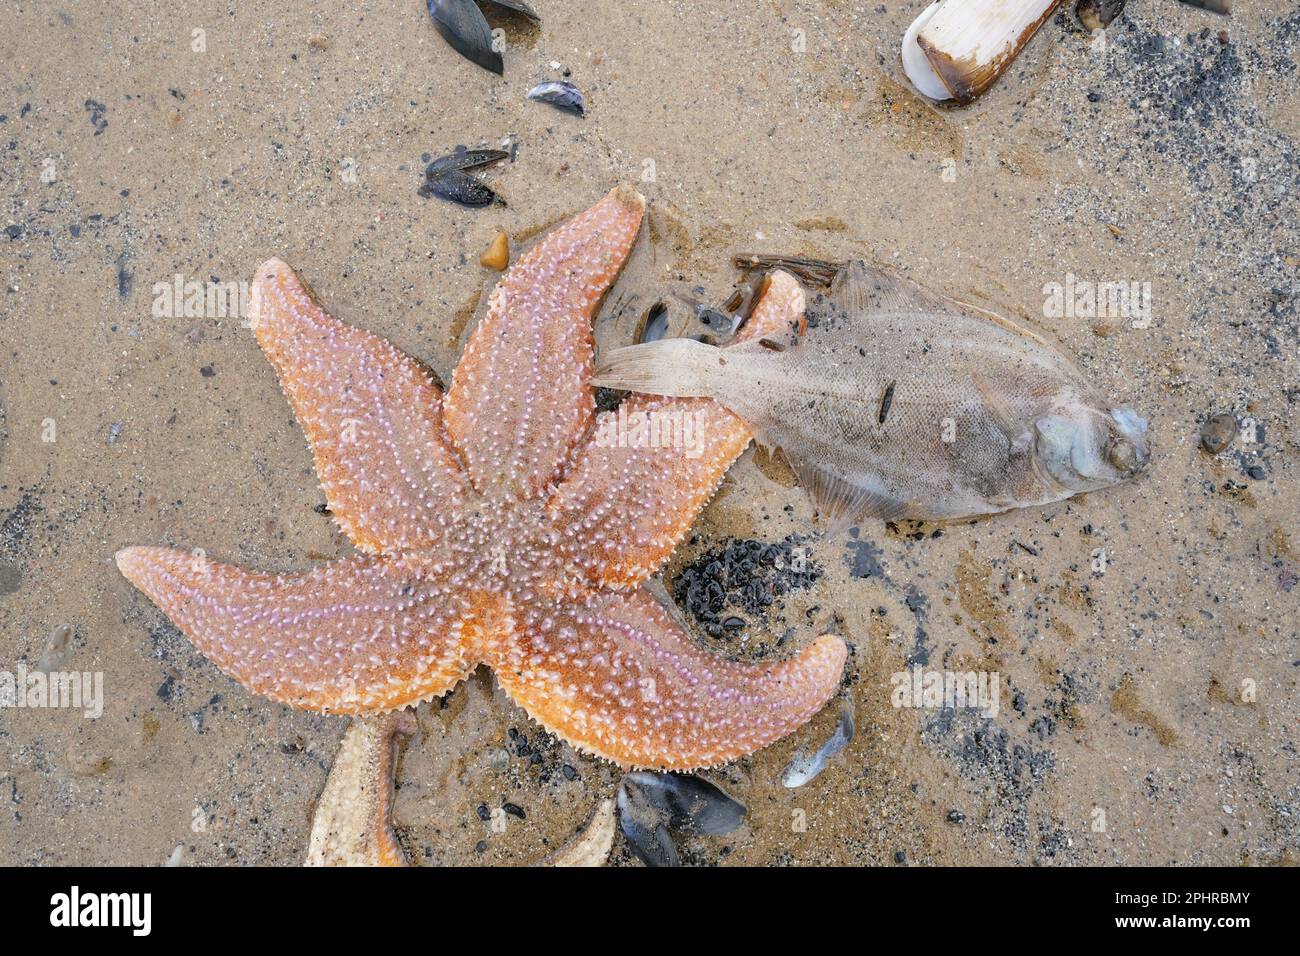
(497, 255)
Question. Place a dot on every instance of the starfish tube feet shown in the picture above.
(362, 635)
(616, 677)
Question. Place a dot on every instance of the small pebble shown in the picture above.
(1218, 433)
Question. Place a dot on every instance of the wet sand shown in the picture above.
(1148, 710)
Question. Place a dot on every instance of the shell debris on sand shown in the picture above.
(651, 805)
(497, 255)
(805, 767)
(956, 49)
(464, 27)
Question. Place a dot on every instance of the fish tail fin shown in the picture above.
(680, 368)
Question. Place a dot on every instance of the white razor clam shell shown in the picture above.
(915, 65)
(957, 49)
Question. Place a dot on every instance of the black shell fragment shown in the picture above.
(447, 177)
(655, 324)
(518, 6)
(652, 804)
(563, 96)
(463, 25)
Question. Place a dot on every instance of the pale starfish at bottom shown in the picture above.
(497, 525)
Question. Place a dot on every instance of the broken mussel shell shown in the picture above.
(957, 49)
(815, 272)
(654, 324)
(591, 845)
(563, 96)
(805, 766)
(1097, 14)
(463, 25)
(1221, 7)
(447, 177)
(651, 805)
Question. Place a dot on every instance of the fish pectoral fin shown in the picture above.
(841, 503)
(1000, 410)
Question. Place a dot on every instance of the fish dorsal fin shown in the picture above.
(865, 290)
(842, 504)
(862, 289)
(850, 289)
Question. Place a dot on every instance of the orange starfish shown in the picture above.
(496, 526)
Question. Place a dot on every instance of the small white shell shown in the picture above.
(915, 64)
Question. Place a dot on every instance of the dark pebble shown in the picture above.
(1257, 472)
(956, 816)
(1218, 433)
(514, 810)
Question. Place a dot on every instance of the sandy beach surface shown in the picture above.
(1144, 638)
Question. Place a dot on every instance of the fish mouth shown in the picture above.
(1131, 451)
(1128, 458)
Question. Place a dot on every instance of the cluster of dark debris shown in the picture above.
(728, 590)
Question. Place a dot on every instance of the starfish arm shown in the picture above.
(519, 400)
(626, 508)
(353, 825)
(616, 677)
(623, 509)
(372, 415)
(363, 635)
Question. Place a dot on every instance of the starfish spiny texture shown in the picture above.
(495, 527)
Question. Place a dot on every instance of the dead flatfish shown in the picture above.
(901, 403)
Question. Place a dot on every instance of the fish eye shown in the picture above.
(1123, 456)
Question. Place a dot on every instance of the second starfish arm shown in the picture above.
(362, 635)
(519, 400)
(627, 504)
(616, 677)
(371, 413)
